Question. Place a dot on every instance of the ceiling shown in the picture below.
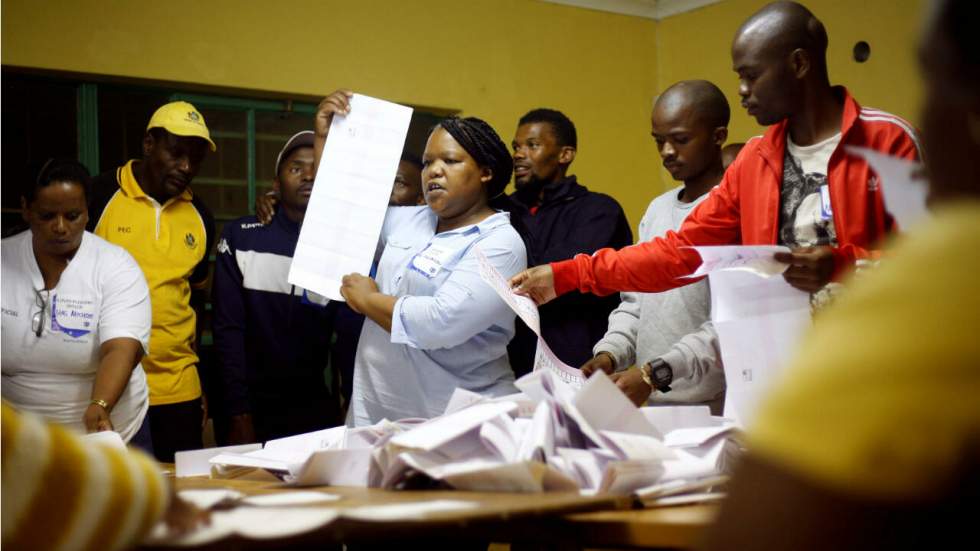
(649, 9)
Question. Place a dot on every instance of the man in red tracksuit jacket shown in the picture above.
(794, 186)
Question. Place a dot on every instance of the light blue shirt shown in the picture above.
(449, 328)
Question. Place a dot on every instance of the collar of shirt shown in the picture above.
(282, 221)
(562, 190)
(34, 269)
(493, 221)
(131, 187)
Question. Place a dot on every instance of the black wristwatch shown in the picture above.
(661, 374)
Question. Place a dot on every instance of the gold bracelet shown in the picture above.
(101, 403)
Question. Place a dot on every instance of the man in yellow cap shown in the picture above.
(146, 206)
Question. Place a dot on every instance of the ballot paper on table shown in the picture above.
(197, 462)
(109, 438)
(714, 457)
(904, 190)
(668, 418)
(757, 259)
(415, 510)
(487, 475)
(288, 458)
(337, 467)
(259, 523)
(623, 477)
(601, 406)
(350, 197)
(439, 431)
(759, 322)
(696, 488)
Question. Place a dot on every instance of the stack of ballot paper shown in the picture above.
(561, 432)
(550, 437)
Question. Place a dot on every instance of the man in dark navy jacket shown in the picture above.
(558, 217)
(272, 339)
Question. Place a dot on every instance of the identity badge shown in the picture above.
(75, 317)
(313, 299)
(826, 212)
(431, 260)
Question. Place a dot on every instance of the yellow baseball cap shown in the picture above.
(181, 119)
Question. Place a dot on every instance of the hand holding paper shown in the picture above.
(523, 306)
(354, 287)
(757, 259)
(336, 103)
(809, 268)
(350, 196)
(537, 283)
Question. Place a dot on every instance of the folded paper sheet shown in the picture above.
(198, 462)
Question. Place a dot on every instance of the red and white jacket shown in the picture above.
(744, 209)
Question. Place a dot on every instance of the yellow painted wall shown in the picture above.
(490, 58)
(697, 44)
(495, 59)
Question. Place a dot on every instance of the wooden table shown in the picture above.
(558, 520)
(678, 527)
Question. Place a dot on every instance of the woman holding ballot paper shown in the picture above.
(433, 325)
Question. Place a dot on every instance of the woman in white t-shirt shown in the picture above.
(76, 315)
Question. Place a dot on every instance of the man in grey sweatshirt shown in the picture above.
(670, 335)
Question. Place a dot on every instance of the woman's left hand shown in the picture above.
(355, 288)
(96, 419)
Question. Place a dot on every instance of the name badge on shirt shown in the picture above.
(431, 260)
(313, 299)
(826, 212)
(72, 316)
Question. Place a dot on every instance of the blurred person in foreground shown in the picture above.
(63, 492)
(876, 445)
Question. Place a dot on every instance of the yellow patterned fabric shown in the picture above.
(63, 493)
(883, 400)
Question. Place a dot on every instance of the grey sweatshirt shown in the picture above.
(674, 325)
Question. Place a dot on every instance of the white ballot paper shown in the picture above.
(759, 321)
(544, 358)
(667, 418)
(258, 523)
(523, 306)
(106, 438)
(905, 192)
(353, 183)
(198, 462)
(757, 259)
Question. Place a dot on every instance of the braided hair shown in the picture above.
(483, 144)
(57, 170)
